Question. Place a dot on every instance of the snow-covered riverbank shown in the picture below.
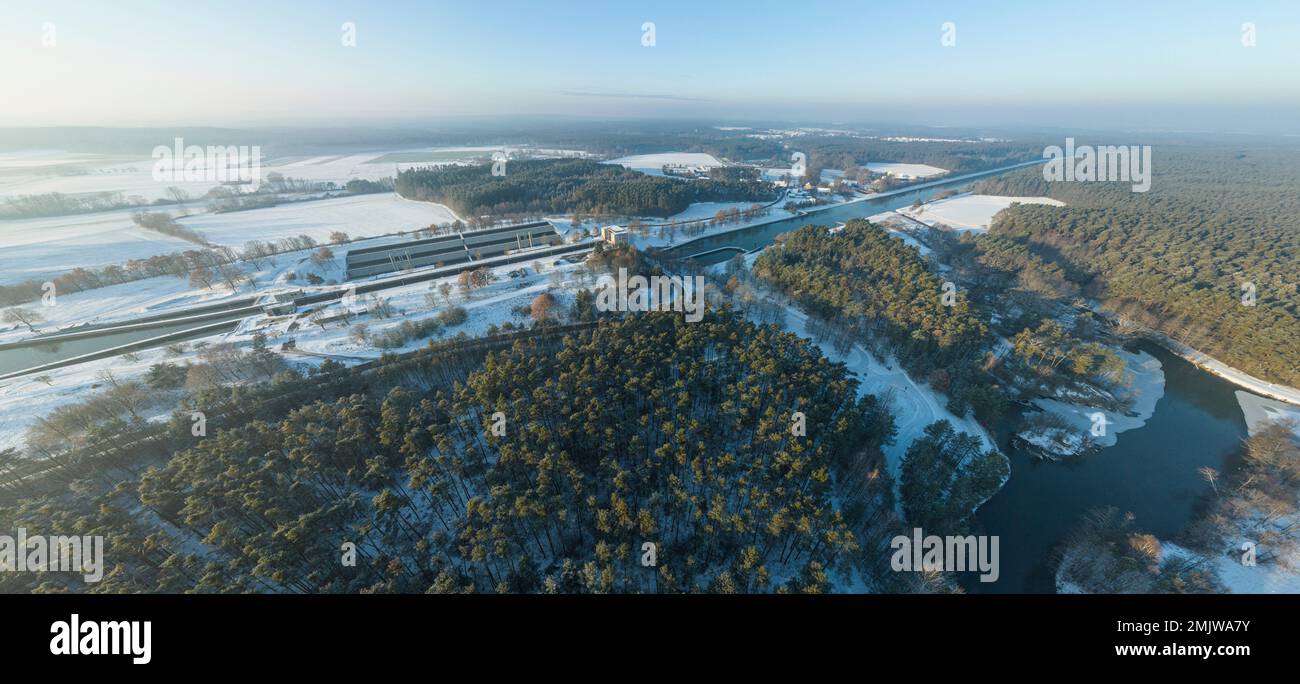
(1074, 428)
(1259, 412)
(1209, 364)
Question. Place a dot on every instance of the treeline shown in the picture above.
(220, 198)
(881, 290)
(541, 186)
(225, 199)
(842, 152)
(202, 266)
(60, 204)
(648, 455)
(1210, 256)
(163, 223)
(620, 140)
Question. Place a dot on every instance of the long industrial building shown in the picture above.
(448, 250)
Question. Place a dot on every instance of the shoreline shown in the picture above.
(1217, 368)
(1211, 365)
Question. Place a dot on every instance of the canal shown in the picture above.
(760, 236)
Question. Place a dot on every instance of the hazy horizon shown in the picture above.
(1165, 67)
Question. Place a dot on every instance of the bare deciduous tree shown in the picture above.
(26, 317)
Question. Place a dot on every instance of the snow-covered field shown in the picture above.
(487, 306)
(45, 247)
(164, 293)
(969, 212)
(117, 302)
(652, 164)
(360, 215)
(36, 159)
(37, 172)
(906, 171)
(74, 174)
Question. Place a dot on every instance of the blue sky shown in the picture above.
(1124, 63)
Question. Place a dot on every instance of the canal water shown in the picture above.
(20, 358)
(757, 237)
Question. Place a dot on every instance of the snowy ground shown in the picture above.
(1260, 411)
(969, 212)
(703, 210)
(79, 173)
(35, 172)
(898, 226)
(487, 306)
(117, 302)
(1147, 386)
(164, 293)
(906, 170)
(359, 216)
(23, 400)
(652, 164)
(45, 247)
(74, 173)
(1268, 578)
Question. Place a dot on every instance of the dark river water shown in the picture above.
(1150, 472)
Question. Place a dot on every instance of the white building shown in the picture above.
(614, 235)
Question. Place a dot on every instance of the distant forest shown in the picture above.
(841, 152)
(546, 186)
(1181, 258)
